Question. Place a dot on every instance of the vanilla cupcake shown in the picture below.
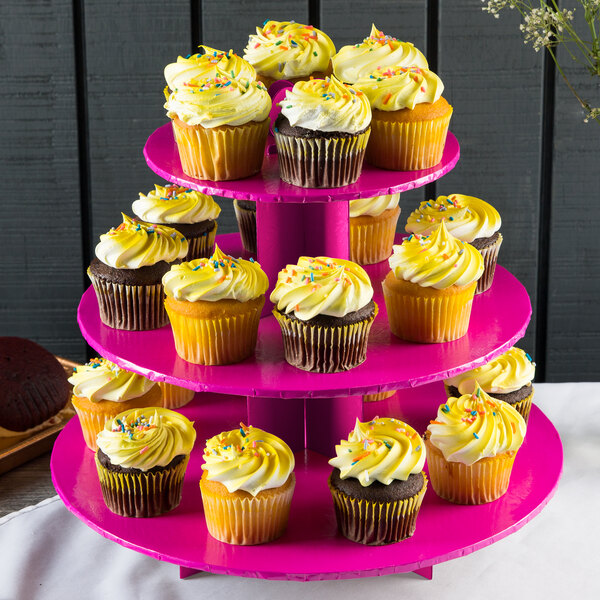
(467, 218)
(289, 50)
(507, 377)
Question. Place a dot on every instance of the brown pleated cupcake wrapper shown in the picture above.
(321, 162)
(174, 396)
(490, 258)
(371, 240)
(247, 520)
(376, 523)
(407, 146)
(246, 220)
(377, 397)
(221, 153)
(202, 246)
(484, 481)
(142, 494)
(430, 320)
(130, 307)
(324, 349)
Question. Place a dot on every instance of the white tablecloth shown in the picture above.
(46, 552)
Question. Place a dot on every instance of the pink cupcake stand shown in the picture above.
(311, 411)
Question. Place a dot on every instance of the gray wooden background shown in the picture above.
(82, 89)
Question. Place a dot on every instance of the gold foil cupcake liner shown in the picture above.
(202, 246)
(174, 396)
(376, 523)
(377, 397)
(221, 153)
(490, 258)
(246, 220)
(323, 349)
(142, 494)
(372, 238)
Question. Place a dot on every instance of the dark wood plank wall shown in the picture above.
(93, 69)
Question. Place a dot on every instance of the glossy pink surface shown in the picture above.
(162, 157)
(311, 549)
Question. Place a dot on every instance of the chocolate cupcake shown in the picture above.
(245, 213)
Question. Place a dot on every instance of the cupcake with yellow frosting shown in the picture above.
(289, 50)
(322, 133)
(506, 378)
(102, 390)
(141, 460)
(410, 117)
(325, 309)
(127, 270)
(378, 482)
(214, 306)
(191, 213)
(471, 448)
(247, 486)
(220, 126)
(429, 290)
(373, 227)
(467, 218)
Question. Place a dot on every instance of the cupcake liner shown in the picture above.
(246, 220)
(130, 307)
(479, 483)
(242, 519)
(214, 333)
(321, 162)
(376, 523)
(221, 153)
(372, 238)
(174, 396)
(490, 258)
(407, 146)
(377, 397)
(323, 349)
(142, 494)
(426, 315)
(202, 246)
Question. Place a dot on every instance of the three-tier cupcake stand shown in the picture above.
(311, 411)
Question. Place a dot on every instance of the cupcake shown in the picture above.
(378, 482)
(506, 378)
(378, 50)
(325, 309)
(214, 306)
(220, 125)
(175, 396)
(429, 290)
(471, 448)
(192, 214)
(467, 218)
(288, 50)
(127, 270)
(372, 228)
(247, 486)
(141, 460)
(102, 390)
(321, 134)
(245, 213)
(410, 117)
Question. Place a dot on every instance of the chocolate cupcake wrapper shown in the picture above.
(376, 523)
(321, 162)
(324, 349)
(490, 258)
(174, 396)
(246, 220)
(142, 494)
(371, 240)
(377, 397)
(202, 246)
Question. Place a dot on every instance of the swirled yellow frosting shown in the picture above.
(466, 217)
(143, 438)
(378, 50)
(326, 105)
(248, 459)
(219, 101)
(321, 286)
(175, 204)
(374, 206)
(381, 450)
(285, 49)
(507, 373)
(135, 244)
(476, 426)
(438, 260)
(395, 88)
(209, 63)
(101, 379)
(220, 277)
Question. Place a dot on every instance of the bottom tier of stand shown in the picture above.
(312, 548)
